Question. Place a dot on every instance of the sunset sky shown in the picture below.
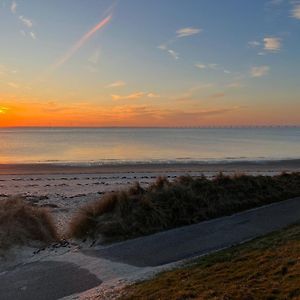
(149, 63)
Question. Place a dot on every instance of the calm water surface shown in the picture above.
(118, 145)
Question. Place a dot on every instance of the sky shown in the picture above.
(149, 63)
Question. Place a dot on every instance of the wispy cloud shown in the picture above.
(135, 96)
(13, 85)
(173, 54)
(132, 96)
(207, 66)
(153, 95)
(295, 12)
(81, 42)
(135, 115)
(272, 44)
(259, 71)
(254, 44)
(33, 35)
(190, 117)
(268, 44)
(200, 66)
(13, 7)
(215, 67)
(117, 84)
(180, 33)
(7, 71)
(27, 22)
(187, 31)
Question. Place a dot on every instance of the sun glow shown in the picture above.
(3, 110)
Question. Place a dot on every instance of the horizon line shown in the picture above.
(157, 127)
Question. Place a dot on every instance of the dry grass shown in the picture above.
(267, 268)
(24, 224)
(165, 205)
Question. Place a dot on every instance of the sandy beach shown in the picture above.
(64, 188)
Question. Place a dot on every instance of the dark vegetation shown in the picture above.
(24, 224)
(264, 269)
(165, 205)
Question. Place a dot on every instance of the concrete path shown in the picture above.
(189, 241)
(73, 273)
(45, 280)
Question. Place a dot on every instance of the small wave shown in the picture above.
(177, 161)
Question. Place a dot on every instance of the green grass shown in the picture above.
(24, 224)
(266, 268)
(165, 205)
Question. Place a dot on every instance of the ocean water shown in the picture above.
(138, 145)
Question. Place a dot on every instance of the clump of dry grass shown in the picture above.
(24, 224)
(165, 205)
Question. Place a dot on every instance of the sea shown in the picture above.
(147, 145)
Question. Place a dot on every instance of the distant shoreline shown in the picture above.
(289, 165)
(156, 127)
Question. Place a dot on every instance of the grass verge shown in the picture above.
(165, 205)
(266, 268)
(24, 224)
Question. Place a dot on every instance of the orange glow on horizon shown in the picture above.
(85, 115)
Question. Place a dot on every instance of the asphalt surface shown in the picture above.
(51, 280)
(195, 240)
(45, 281)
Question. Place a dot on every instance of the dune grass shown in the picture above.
(24, 224)
(266, 268)
(165, 205)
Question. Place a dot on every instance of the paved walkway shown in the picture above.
(51, 280)
(189, 241)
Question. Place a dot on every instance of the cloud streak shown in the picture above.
(117, 84)
(272, 44)
(254, 44)
(32, 35)
(259, 71)
(80, 43)
(180, 33)
(268, 44)
(173, 54)
(27, 22)
(188, 31)
(135, 96)
(13, 7)
(208, 66)
(132, 96)
(295, 12)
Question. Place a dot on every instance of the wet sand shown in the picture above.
(235, 166)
